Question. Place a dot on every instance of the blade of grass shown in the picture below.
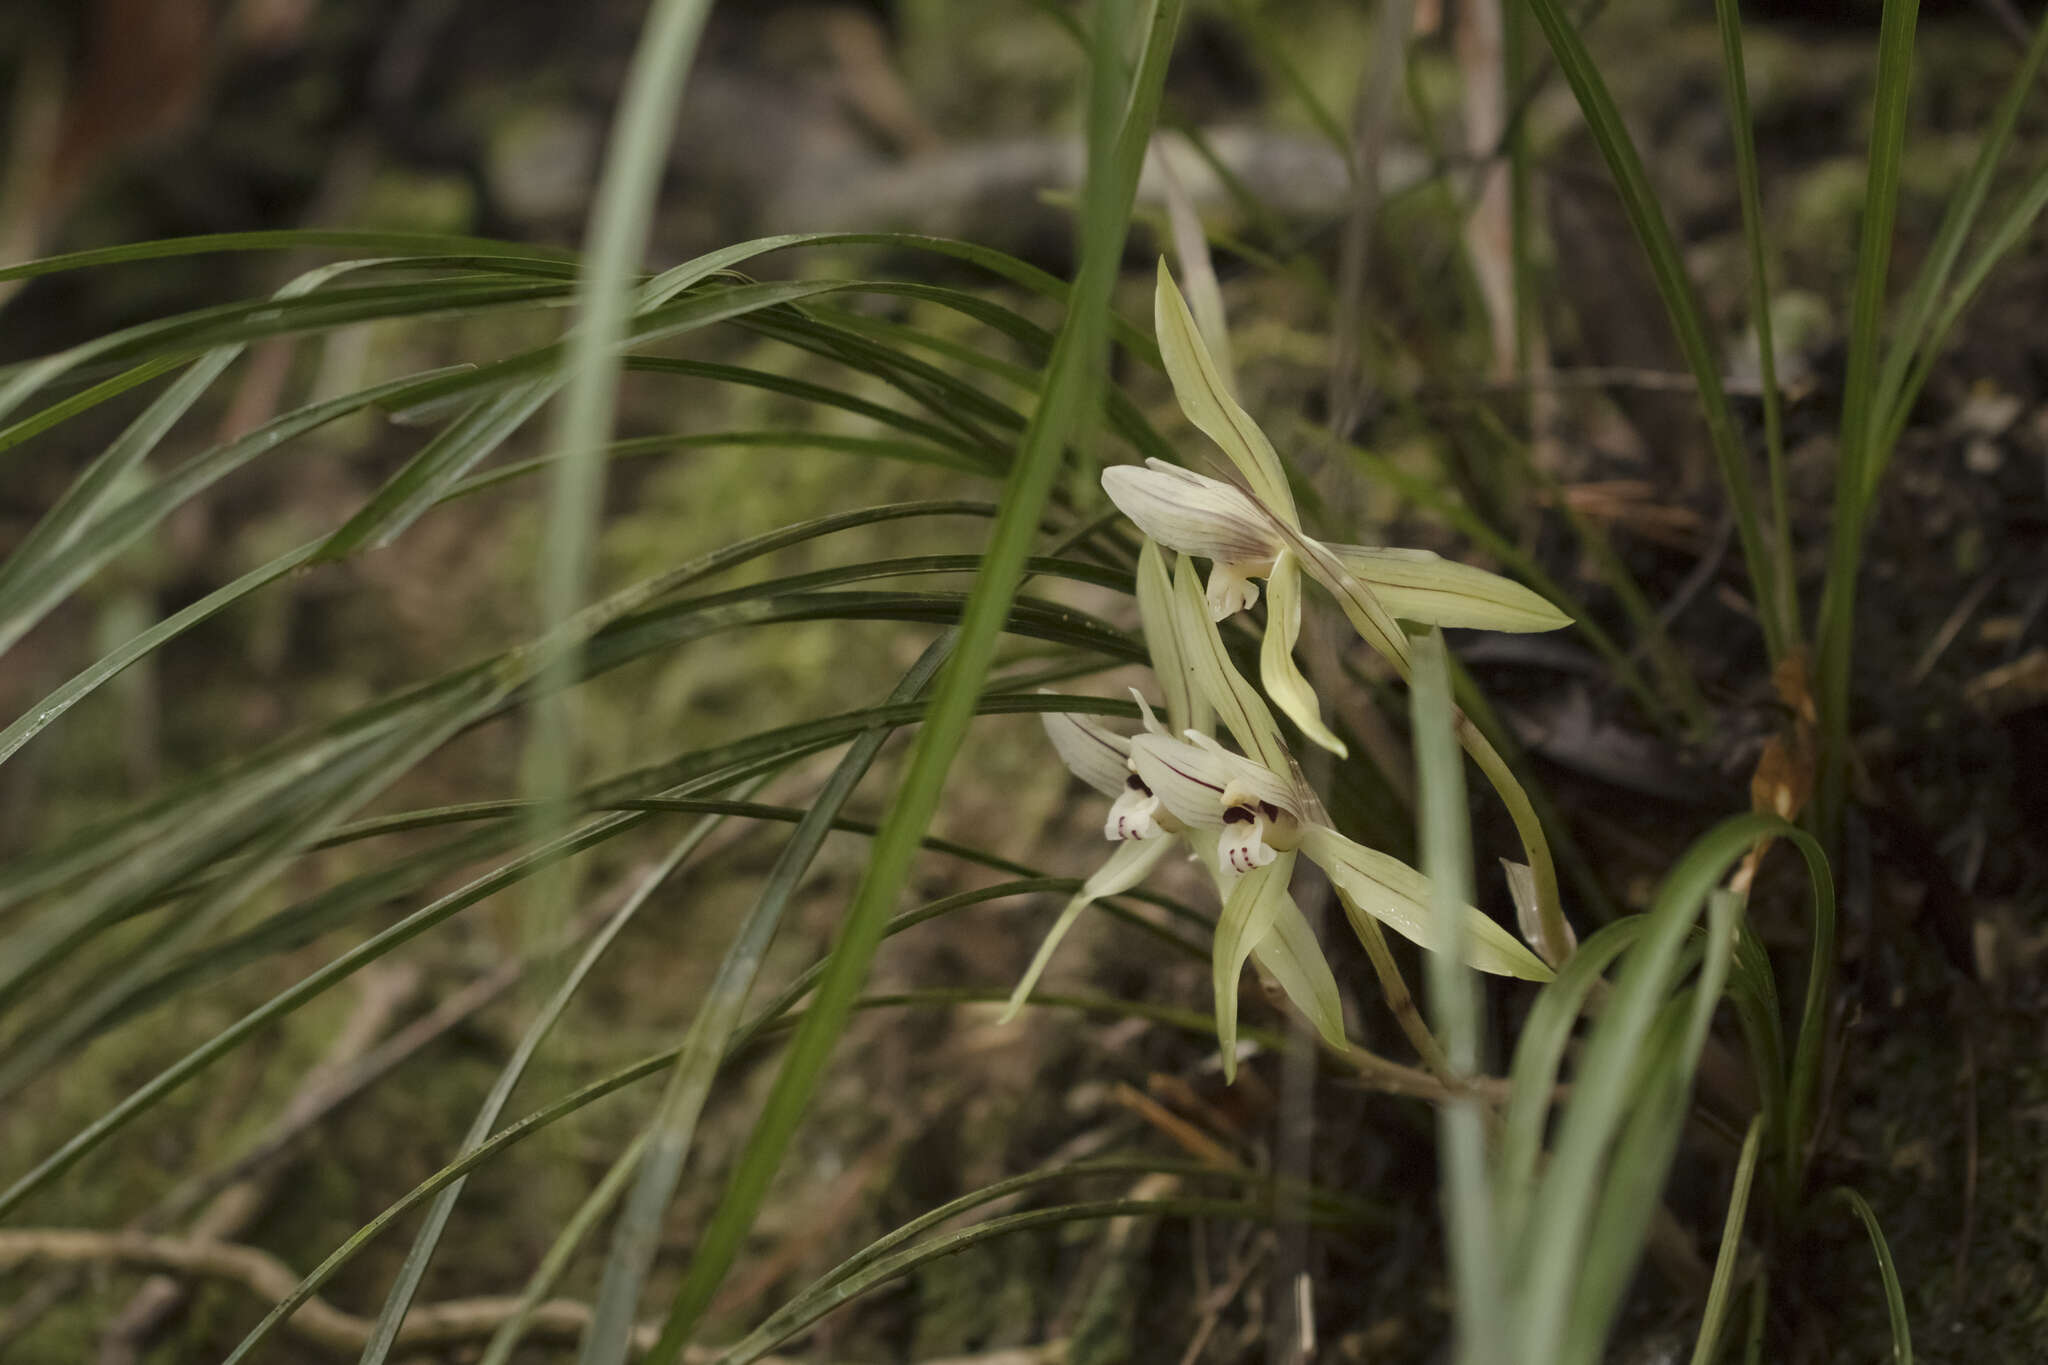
(567, 1242)
(1894, 1292)
(179, 845)
(721, 764)
(1554, 1243)
(26, 598)
(1742, 129)
(639, 1229)
(1667, 266)
(1808, 1051)
(114, 840)
(2007, 235)
(250, 320)
(1916, 333)
(398, 1299)
(288, 239)
(1063, 414)
(348, 785)
(615, 244)
(1632, 1186)
(969, 454)
(1861, 422)
(93, 488)
(39, 717)
(1759, 1312)
(1481, 1323)
(289, 999)
(1720, 1293)
(788, 441)
(1539, 1056)
(298, 924)
(1183, 1020)
(826, 1299)
(1627, 1197)
(85, 400)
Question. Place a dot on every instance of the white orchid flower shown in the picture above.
(1101, 758)
(1143, 828)
(1254, 531)
(1262, 815)
(1257, 815)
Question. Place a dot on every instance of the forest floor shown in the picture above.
(1935, 1106)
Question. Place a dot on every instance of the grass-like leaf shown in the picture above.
(1632, 1185)
(1742, 130)
(1454, 997)
(675, 1125)
(1918, 331)
(1120, 125)
(384, 1331)
(1667, 267)
(1720, 1291)
(1862, 422)
(1888, 1274)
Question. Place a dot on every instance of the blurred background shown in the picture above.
(133, 119)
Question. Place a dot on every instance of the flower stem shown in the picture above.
(1399, 999)
(1553, 943)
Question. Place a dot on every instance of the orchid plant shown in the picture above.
(1249, 815)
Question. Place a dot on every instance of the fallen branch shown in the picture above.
(247, 1190)
(270, 1279)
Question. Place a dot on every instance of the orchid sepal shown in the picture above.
(1248, 914)
(1130, 864)
(1398, 896)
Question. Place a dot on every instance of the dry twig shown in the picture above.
(271, 1279)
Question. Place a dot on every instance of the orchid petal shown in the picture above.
(1420, 586)
(1362, 608)
(1130, 864)
(1290, 952)
(1184, 511)
(1242, 846)
(1237, 702)
(1249, 781)
(1394, 893)
(1189, 782)
(1205, 398)
(1097, 756)
(1253, 905)
(1195, 782)
(1151, 722)
(1284, 682)
(1186, 709)
(1231, 589)
(1134, 815)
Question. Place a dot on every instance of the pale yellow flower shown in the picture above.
(1254, 531)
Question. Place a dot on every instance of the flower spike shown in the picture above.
(1254, 531)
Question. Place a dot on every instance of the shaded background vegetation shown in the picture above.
(145, 118)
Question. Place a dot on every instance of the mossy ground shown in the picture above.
(1937, 1112)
